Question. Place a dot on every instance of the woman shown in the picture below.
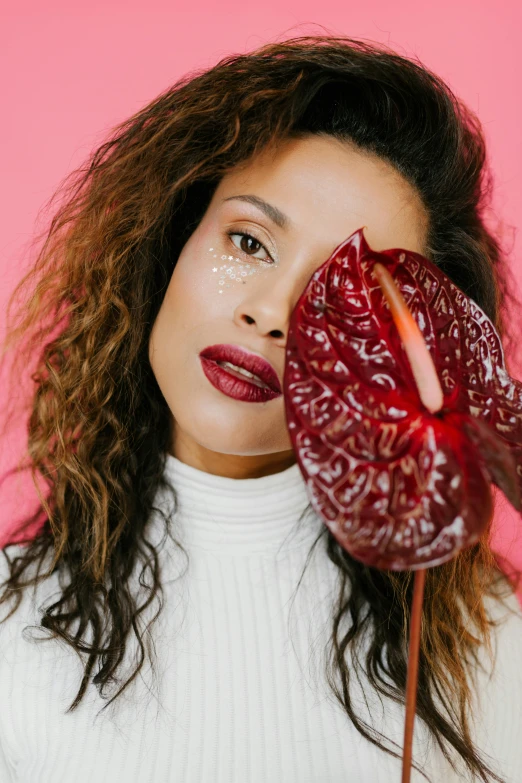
(229, 635)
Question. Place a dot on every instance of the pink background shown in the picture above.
(67, 75)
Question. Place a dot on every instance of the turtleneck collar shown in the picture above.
(245, 516)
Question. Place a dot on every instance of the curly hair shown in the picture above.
(98, 425)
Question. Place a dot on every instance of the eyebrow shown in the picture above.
(275, 214)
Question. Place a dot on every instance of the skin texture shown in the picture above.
(327, 189)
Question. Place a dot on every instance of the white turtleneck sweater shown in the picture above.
(240, 694)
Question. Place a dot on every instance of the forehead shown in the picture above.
(333, 187)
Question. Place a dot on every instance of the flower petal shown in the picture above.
(398, 486)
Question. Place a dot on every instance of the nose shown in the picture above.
(267, 309)
(277, 334)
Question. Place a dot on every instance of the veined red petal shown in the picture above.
(398, 486)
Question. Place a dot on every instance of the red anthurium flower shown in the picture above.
(401, 413)
(399, 472)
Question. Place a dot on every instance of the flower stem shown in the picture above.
(432, 397)
(413, 670)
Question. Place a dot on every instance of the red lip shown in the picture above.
(234, 385)
(251, 362)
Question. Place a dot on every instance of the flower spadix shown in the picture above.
(399, 453)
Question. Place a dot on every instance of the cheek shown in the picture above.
(198, 283)
(229, 271)
(204, 276)
(191, 291)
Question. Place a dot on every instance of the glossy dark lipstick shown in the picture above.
(224, 366)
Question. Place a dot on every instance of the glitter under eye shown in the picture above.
(226, 274)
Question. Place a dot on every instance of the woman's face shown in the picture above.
(323, 191)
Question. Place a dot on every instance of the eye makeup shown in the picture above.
(235, 269)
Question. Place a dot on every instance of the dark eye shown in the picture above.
(249, 245)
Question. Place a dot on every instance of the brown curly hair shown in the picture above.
(98, 425)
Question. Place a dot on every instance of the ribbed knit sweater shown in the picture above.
(238, 691)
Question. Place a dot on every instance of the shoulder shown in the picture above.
(502, 665)
(497, 705)
(506, 633)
